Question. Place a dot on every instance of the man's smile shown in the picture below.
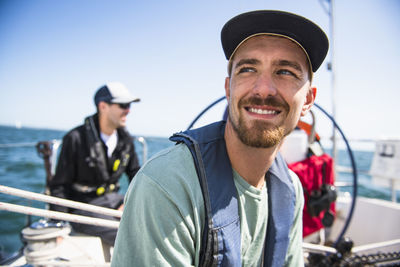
(263, 110)
(268, 108)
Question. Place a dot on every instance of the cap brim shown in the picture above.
(125, 100)
(304, 32)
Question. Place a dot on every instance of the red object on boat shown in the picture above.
(314, 172)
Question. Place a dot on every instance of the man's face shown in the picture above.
(268, 90)
(116, 114)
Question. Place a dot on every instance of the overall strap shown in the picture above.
(220, 244)
(281, 203)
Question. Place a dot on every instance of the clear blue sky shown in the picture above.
(55, 54)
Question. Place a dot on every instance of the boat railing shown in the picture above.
(143, 142)
(384, 169)
(61, 202)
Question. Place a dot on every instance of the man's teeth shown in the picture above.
(262, 111)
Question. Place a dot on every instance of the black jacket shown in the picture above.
(76, 166)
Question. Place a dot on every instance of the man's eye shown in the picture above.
(286, 72)
(246, 69)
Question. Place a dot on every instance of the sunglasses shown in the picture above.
(121, 105)
(124, 106)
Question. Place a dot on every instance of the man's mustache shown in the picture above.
(269, 101)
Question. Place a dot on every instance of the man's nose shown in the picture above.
(265, 85)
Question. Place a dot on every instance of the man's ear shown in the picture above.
(227, 86)
(309, 100)
(102, 105)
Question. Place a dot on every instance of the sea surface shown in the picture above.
(21, 167)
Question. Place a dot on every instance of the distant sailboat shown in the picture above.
(18, 124)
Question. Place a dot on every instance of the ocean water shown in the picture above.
(22, 168)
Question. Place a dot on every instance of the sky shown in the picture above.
(54, 55)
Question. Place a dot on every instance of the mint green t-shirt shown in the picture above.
(164, 216)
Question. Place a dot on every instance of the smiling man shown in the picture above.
(94, 156)
(223, 196)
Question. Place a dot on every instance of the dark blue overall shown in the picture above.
(220, 245)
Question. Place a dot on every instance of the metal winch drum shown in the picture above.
(41, 240)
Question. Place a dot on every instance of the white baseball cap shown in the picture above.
(114, 92)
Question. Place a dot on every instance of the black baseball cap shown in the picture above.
(302, 31)
(114, 92)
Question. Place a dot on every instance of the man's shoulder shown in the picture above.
(75, 133)
(173, 165)
(171, 157)
(170, 172)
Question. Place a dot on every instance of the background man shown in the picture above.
(224, 196)
(94, 156)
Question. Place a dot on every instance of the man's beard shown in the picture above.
(260, 134)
